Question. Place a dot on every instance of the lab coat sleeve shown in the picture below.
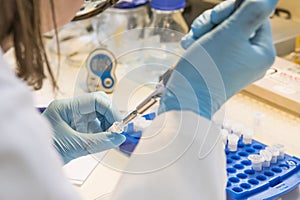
(30, 168)
(180, 156)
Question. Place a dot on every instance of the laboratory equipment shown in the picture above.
(168, 14)
(256, 161)
(232, 142)
(133, 135)
(267, 155)
(285, 32)
(297, 51)
(275, 153)
(237, 129)
(149, 101)
(164, 32)
(227, 124)
(280, 86)
(243, 182)
(75, 41)
(140, 109)
(92, 8)
(281, 149)
(224, 134)
(101, 65)
(113, 28)
(247, 135)
(141, 123)
(270, 182)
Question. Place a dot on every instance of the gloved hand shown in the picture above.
(79, 125)
(226, 51)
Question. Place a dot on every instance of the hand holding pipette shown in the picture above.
(118, 127)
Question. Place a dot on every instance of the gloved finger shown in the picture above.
(263, 35)
(104, 123)
(264, 44)
(100, 103)
(207, 21)
(187, 40)
(102, 141)
(106, 109)
(210, 18)
(250, 16)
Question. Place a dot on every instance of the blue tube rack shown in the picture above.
(243, 182)
(133, 137)
(270, 183)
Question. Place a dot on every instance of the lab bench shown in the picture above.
(272, 125)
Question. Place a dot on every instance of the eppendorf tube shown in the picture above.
(267, 155)
(281, 149)
(227, 124)
(248, 135)
(275, 153)
(257, 161)
(237, 129)
(224, 134)
(232, 142)
(117, 127)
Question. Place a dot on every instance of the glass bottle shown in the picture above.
(167, 27)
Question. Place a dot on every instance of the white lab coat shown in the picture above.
(180, 156)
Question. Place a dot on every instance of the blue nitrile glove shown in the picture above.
(79, 125)
(227, 51)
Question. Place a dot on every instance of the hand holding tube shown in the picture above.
(80, 125)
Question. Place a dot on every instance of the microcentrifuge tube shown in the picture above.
(258, 116)
(227, 124)
(237, 129)
(281, 149)
(247, 135)
(140, 123)
(232, 142)
(257, 161)
(224, 134)
(117, 127)
(267, 155)
(275, 153)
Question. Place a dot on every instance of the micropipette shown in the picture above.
(118, 127)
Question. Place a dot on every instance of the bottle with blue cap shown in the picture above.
(168, 14)
(167, 27)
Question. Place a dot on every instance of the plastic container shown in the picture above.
(268, 183)
(237, 129)
(232, 142)
(281, 149)
(257, 161)
(248, 135)
(224, 134)
(227, 124)
(267, 155)
(275, 153)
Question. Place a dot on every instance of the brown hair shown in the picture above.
(21, 20)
